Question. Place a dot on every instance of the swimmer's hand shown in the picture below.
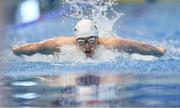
(163, 50)
(32, 48)
(26, 49)
(14, 49)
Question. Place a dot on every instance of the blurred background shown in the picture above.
(24, 11)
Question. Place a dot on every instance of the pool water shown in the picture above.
(107, 90)
(119, 80)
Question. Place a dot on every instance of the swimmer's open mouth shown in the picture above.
(88, 51)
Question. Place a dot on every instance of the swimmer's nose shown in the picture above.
(87, 46)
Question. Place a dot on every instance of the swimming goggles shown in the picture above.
(90, 40)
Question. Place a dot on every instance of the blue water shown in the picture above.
(144, 82)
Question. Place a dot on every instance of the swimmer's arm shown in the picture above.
(44, 47)
(131, 47)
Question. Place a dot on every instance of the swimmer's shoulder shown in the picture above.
(66, 40)
(61, 40)
(109, 41)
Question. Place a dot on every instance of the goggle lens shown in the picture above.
(83, 41)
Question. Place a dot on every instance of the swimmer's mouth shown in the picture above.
(88, 53)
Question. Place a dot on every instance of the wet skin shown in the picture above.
(87, 45)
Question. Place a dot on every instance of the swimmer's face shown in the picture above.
(87, 45)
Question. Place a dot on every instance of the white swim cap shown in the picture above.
(85, 28)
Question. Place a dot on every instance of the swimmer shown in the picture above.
(87, 40)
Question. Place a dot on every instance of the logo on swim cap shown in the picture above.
(85, 28)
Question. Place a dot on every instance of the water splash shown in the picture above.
(71, 53)
(105, 16)
(99, 11)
